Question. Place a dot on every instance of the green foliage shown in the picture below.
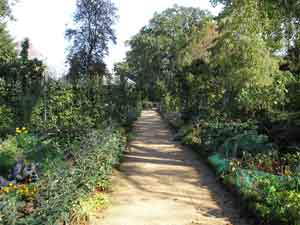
(281, 206)
(287, 213)
(216, 75)
(271, 162)
(88, 206)
(22, 146)
(174, 119)
(255, 100)
(65, 184)
(8, 209)
(294, 95)
(185, 134)
(30, 145)
(59, 109)
(6, 121)
(214, 134)
(9, 153)
(169, 103)
(235, 87)
(224, 66)
(7, 46)
(246, 142)
(21, 84)
(164, 47)
(274, 199)
(72, 140)
(94, 162)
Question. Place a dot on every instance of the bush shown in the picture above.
(9, 153)
(267, 180)
(6, 120)
(22, 146)
(212, 135)
(255, 100)
(174, 118)
(59, 110)
(247, 142)
(271, 162)
(268, 185)
(278, 201)
(294, 95)
(63, 185)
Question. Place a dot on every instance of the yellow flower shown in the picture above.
(12, 186)
(18, 131)
(5, 189)
(23, 129)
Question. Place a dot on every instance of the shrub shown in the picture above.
(247, 142)
(275, 199)
(278, 201)
(272, 162)
(255, 100)
(174, 118)
(63, 185)
(9, 153)
(60, 110)
(6, 120)
(212, 135)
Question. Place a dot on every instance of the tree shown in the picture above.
(281, 25)
(93, 30)
(7, 47)
(23, 83)
(5, 10)
(162, 49)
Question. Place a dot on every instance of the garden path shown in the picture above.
(161, 182)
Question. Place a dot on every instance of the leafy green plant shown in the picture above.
(260, 99)
(271, 162)
(213, 134)
(63, 185)
(87, 207)
(6, 119)
(183, 132)
(247, 142)
(281, 202)
(9, 154)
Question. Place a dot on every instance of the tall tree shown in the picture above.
(281, 25)
(93, 30)
(161, 50)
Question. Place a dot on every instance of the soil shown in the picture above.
(161, 182)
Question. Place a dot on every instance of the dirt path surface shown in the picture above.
(162, 183)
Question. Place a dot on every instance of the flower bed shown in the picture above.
(69, 171)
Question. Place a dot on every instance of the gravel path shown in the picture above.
(162, 183)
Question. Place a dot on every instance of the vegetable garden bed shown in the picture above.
(267, 182)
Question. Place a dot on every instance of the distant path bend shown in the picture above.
(162, 183)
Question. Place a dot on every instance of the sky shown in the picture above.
(45, 21)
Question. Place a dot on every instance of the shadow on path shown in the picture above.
(161, 182)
